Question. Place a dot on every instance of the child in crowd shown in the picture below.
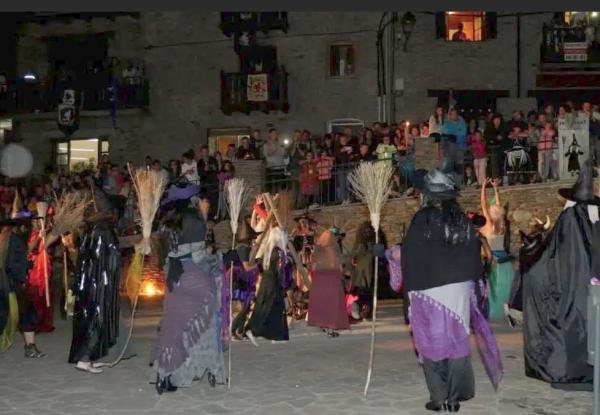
(546, 156)
(479, 152)
(189, 168)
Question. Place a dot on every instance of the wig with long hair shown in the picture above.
(498, 216)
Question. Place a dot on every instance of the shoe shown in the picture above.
(452, 407)
(212, 381)
(278, 341)
(313, 206)
(434, 406)
(32, 352)
(87, 367)
(251, 338)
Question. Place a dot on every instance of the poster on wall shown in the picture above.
(258, 88)
(573, 146)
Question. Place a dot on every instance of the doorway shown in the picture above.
(219, 139)
(77, 155)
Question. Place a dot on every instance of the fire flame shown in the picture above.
(150, 289)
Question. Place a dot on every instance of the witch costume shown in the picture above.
(191, 335)
(326, 306)
(573, 154)
(269, 319)
(41, 260)
(440, 263)
(555, 291)
(17, 311)
(96, 291)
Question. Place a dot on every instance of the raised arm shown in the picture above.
(484, 203)
(496, 192)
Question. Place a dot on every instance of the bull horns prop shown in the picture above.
(548, 223)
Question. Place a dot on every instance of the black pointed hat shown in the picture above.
(583, 190)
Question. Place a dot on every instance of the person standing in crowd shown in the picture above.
(436, 120)
(546, 156)
(327, 306)
(174, 170)
(189, 167)
(479, 152)
(454, 153)
(555, 291)
(368, 139)
(208, 170)
(344, 156)
(533, 141)
(517, 121)
(496, 233)
(244, 151)
(309, 180)
(496, 141)
(440, 263)
(231, 152)
(326, 184)
(274, 154)
(385, 151)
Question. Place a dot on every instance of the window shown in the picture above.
(341, 60)
(79, 155)
(466, 26)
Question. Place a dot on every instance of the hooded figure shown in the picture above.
(96, 312)
(191, 337)
(555, 291)
(269, 318)
(440, 263)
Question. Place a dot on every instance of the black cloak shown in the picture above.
(96, 311)
(555, 299)
(440, 248)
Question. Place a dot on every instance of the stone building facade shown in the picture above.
(183, 54)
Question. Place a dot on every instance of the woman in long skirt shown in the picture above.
(269, 319)
(190, 338)
(327, 306)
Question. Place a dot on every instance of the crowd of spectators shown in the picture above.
(315, 168)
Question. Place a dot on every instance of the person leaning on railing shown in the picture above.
(274, 155)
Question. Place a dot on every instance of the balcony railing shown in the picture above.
(554, 38)
(234, 93)
(26, 97)
(232, 22)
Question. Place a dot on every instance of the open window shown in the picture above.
(473, 26)
(342, 59)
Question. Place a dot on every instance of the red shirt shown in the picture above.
(478, 149)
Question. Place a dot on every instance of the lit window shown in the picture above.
(341, 60)
(465, 26)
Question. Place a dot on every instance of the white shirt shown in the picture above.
(192, 171)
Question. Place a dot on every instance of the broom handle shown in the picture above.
(230, 316)
(133, 310)
(373, 320)
(45, 259)
(65, 276)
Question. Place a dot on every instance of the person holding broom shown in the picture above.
(440, 263)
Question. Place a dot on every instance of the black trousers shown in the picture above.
(450, 380)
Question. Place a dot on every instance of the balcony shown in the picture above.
(234, 93)
(23, 97)
(566, 46)
(237, 22)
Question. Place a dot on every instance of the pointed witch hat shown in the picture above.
(583, 190)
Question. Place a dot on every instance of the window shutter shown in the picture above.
(440, 25)
(490, 25)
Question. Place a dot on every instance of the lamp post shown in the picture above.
(407, 24)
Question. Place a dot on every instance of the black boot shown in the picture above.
(169, 387)
(212, 380)
(452, 407)
(434, 406)
(32, 352)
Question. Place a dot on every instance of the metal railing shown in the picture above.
(23, 97)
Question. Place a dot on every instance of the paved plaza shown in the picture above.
(312, 374)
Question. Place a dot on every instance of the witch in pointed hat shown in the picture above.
(555, 292)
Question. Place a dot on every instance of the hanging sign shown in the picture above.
(576, 51)
(573, 146)
(258, 87)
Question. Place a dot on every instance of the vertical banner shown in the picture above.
(425, 153)
(573, 146)
(258, 87)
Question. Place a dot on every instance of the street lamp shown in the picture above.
(407, 23)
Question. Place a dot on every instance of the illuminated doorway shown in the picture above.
(80, 154)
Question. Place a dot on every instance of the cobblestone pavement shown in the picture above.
(312, 374)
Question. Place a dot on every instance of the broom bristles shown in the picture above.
(237, 194)
(69, 214)
(371, 183)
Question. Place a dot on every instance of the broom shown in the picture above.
(371, 183)
(69, 215)
(237, 194)
(42, 211)
(149, 186)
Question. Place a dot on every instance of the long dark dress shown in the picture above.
(96, 310)
(269, 317)
(555, 298)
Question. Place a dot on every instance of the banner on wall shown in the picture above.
(573, 146)
(258, 87)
